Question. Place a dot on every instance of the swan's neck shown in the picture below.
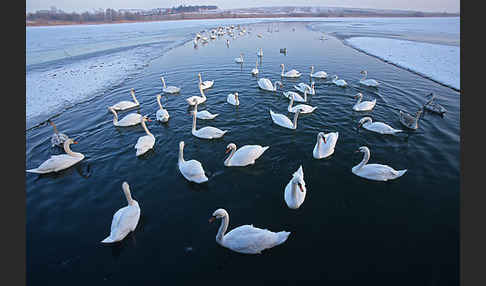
(128, 195)
(160, 104)
(226, 162)
(134, 98)
(68, 151)
(222, 229)
(305, 95)
(312, 70)
(115, 117)
(275, 86)
(291, 102)
(55, 128)
(181, 154)
(163, 81)
(365, 160)
(359, 99)
(202, 92)
(194, 120)
(364, 76)
(145, 128)
(283, 68)
(295, 120)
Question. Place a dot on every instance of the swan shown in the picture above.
(204, 114)
(410, 121)
(290, 73)
(295, 96)
(363, 105)
(207, 132)
(433, 106)
(233, 99)
(192, 170)
(368, 82)
(260, 53)
(375, 172)
(59, 162)
(295, 197)
(254, 71)
(244, 156)
(57, 139)
(283, 120)
(319, 74)
(193, 100)
(170, 88)
(239, 60)
(122, 105)
(304, 108)
(162, 114)
(246, 239)
(205, 84)
(339, 82)
(125, 219)
(146, 142)
(266, 84)
(326, 147)
(227, 43)
(302, 87)
(378, 127)
(129, 120)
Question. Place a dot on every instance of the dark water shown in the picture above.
(349, 230)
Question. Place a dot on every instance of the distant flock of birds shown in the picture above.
(246, 238)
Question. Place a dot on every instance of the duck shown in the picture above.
(129, 120)
(378, 127)
(59, 162)
(319, 74)
(232, 99)
(125, 219)
(304, 108)
(193, 100)
(291, 73)
(246, 239)
(339, 82)
(58, 138)
(170, 88)
(325, 144)
(205, 84)
(283, 120)
(146, 142)
(266, 84)
(365, 105)
(162, 114)
(295, 197)
(376, 172)
(409, 121)
(244, 156)
(123, 105)
(192, 170)
(368, 82)
(207, 132)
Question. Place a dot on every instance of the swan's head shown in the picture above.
(159, 96)
(359, 95)
(219, 213)
(231, 146)
(181, 145)
(132, 90)
(145, 119)
(279, 83)
(199, 75)
(363, 149)
(334, 77)
(297, 179)
(363, 72)
(281, 65)
(363, 120)
(111, 109)
(313, 84)
(322, 136)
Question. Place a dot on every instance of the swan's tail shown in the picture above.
(34, 171)
(282, 237)
(108, 240)
(265, 149)
(200, 179)
(401, 173)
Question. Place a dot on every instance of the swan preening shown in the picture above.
(122, 105)
(192, 170)
(325, 144)
(125, 219)
(339, 82)
(254, 71)
(144, 143)
(244, 156)
(283, 120)
(375, 172)
(205, 84)
(129, 120)
(378, 127)
(303, 108)
(207, 132)
(363, 105)
(295, 191)
(59, 162)
(162, 114)
(246, 238)
(266, 84)
(239, 60)
(57, 139)
(368, 82)
(233, 99)
(193, 100)
(290, 73)
(319, 74)
(170, 88)
(409, 121)
(302, 87)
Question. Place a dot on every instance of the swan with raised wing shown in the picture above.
(129, 120)
(304, 108)
(207, 132)
(283, 120)
(302, 87)
(162, 114)
(319, 74)
(170, 88)
(122, 105)
(58, 138)
(244, 156)
(378, 127)
(233, 99)
(293, 196)
(193, 100)
(291, 73)
(363, 105)
(266, 84)
(368, 82)
(125, 219)
(192, 170)
(246, 239)
(339, 82)
(325, 144)
(59, 162)
(205, 84)
(377, 172)
(409, 121)
(146, 142)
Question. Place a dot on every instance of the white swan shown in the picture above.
(260, 53)
(290, 73)
(363, 105)
(129, 120)
(192, 170)
(207, 132)
(144, 143)
(59, 162)
(410, 121)
(233, 99)
(295, 197)
(125, 219)
(304, 108)
(239, 60)
(368, 82)
(283, 120)
(57, 139)
(339, 82)
(193, 100)
(244, 156)
(205, 84)
(302, 87)
(297, 97)
(122, 105)
(254, 71)
(378, 127)
(246, 238)
(319, 74)
(162, 114)
(325, 144)
(204, 114)
(266, 84)
(170, 88)
(375, 172)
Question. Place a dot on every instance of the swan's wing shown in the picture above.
(379, 172)
(210, 132)
(124, 221)
(146, 141)
(249, 239)
(247, 154)
(56, 162)
(192, 168)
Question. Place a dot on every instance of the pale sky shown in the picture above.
(451, 6)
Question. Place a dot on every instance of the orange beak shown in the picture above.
(212, 219)
(227, 150)
(75, 142)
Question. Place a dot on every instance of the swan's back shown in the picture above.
(193, 171)
(144, 143)
(122, 105)
(381, 127)
(364, 105)
(247, 154)
(281, 120)
(209, 132)
(252, 240)
(57, 163)
(378, 172)
(204, 114)
(124, 221)
(265, 83)
(162, 115)
(130, 119)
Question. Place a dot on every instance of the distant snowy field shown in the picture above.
(438, 62)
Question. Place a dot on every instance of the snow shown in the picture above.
(437, 62)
